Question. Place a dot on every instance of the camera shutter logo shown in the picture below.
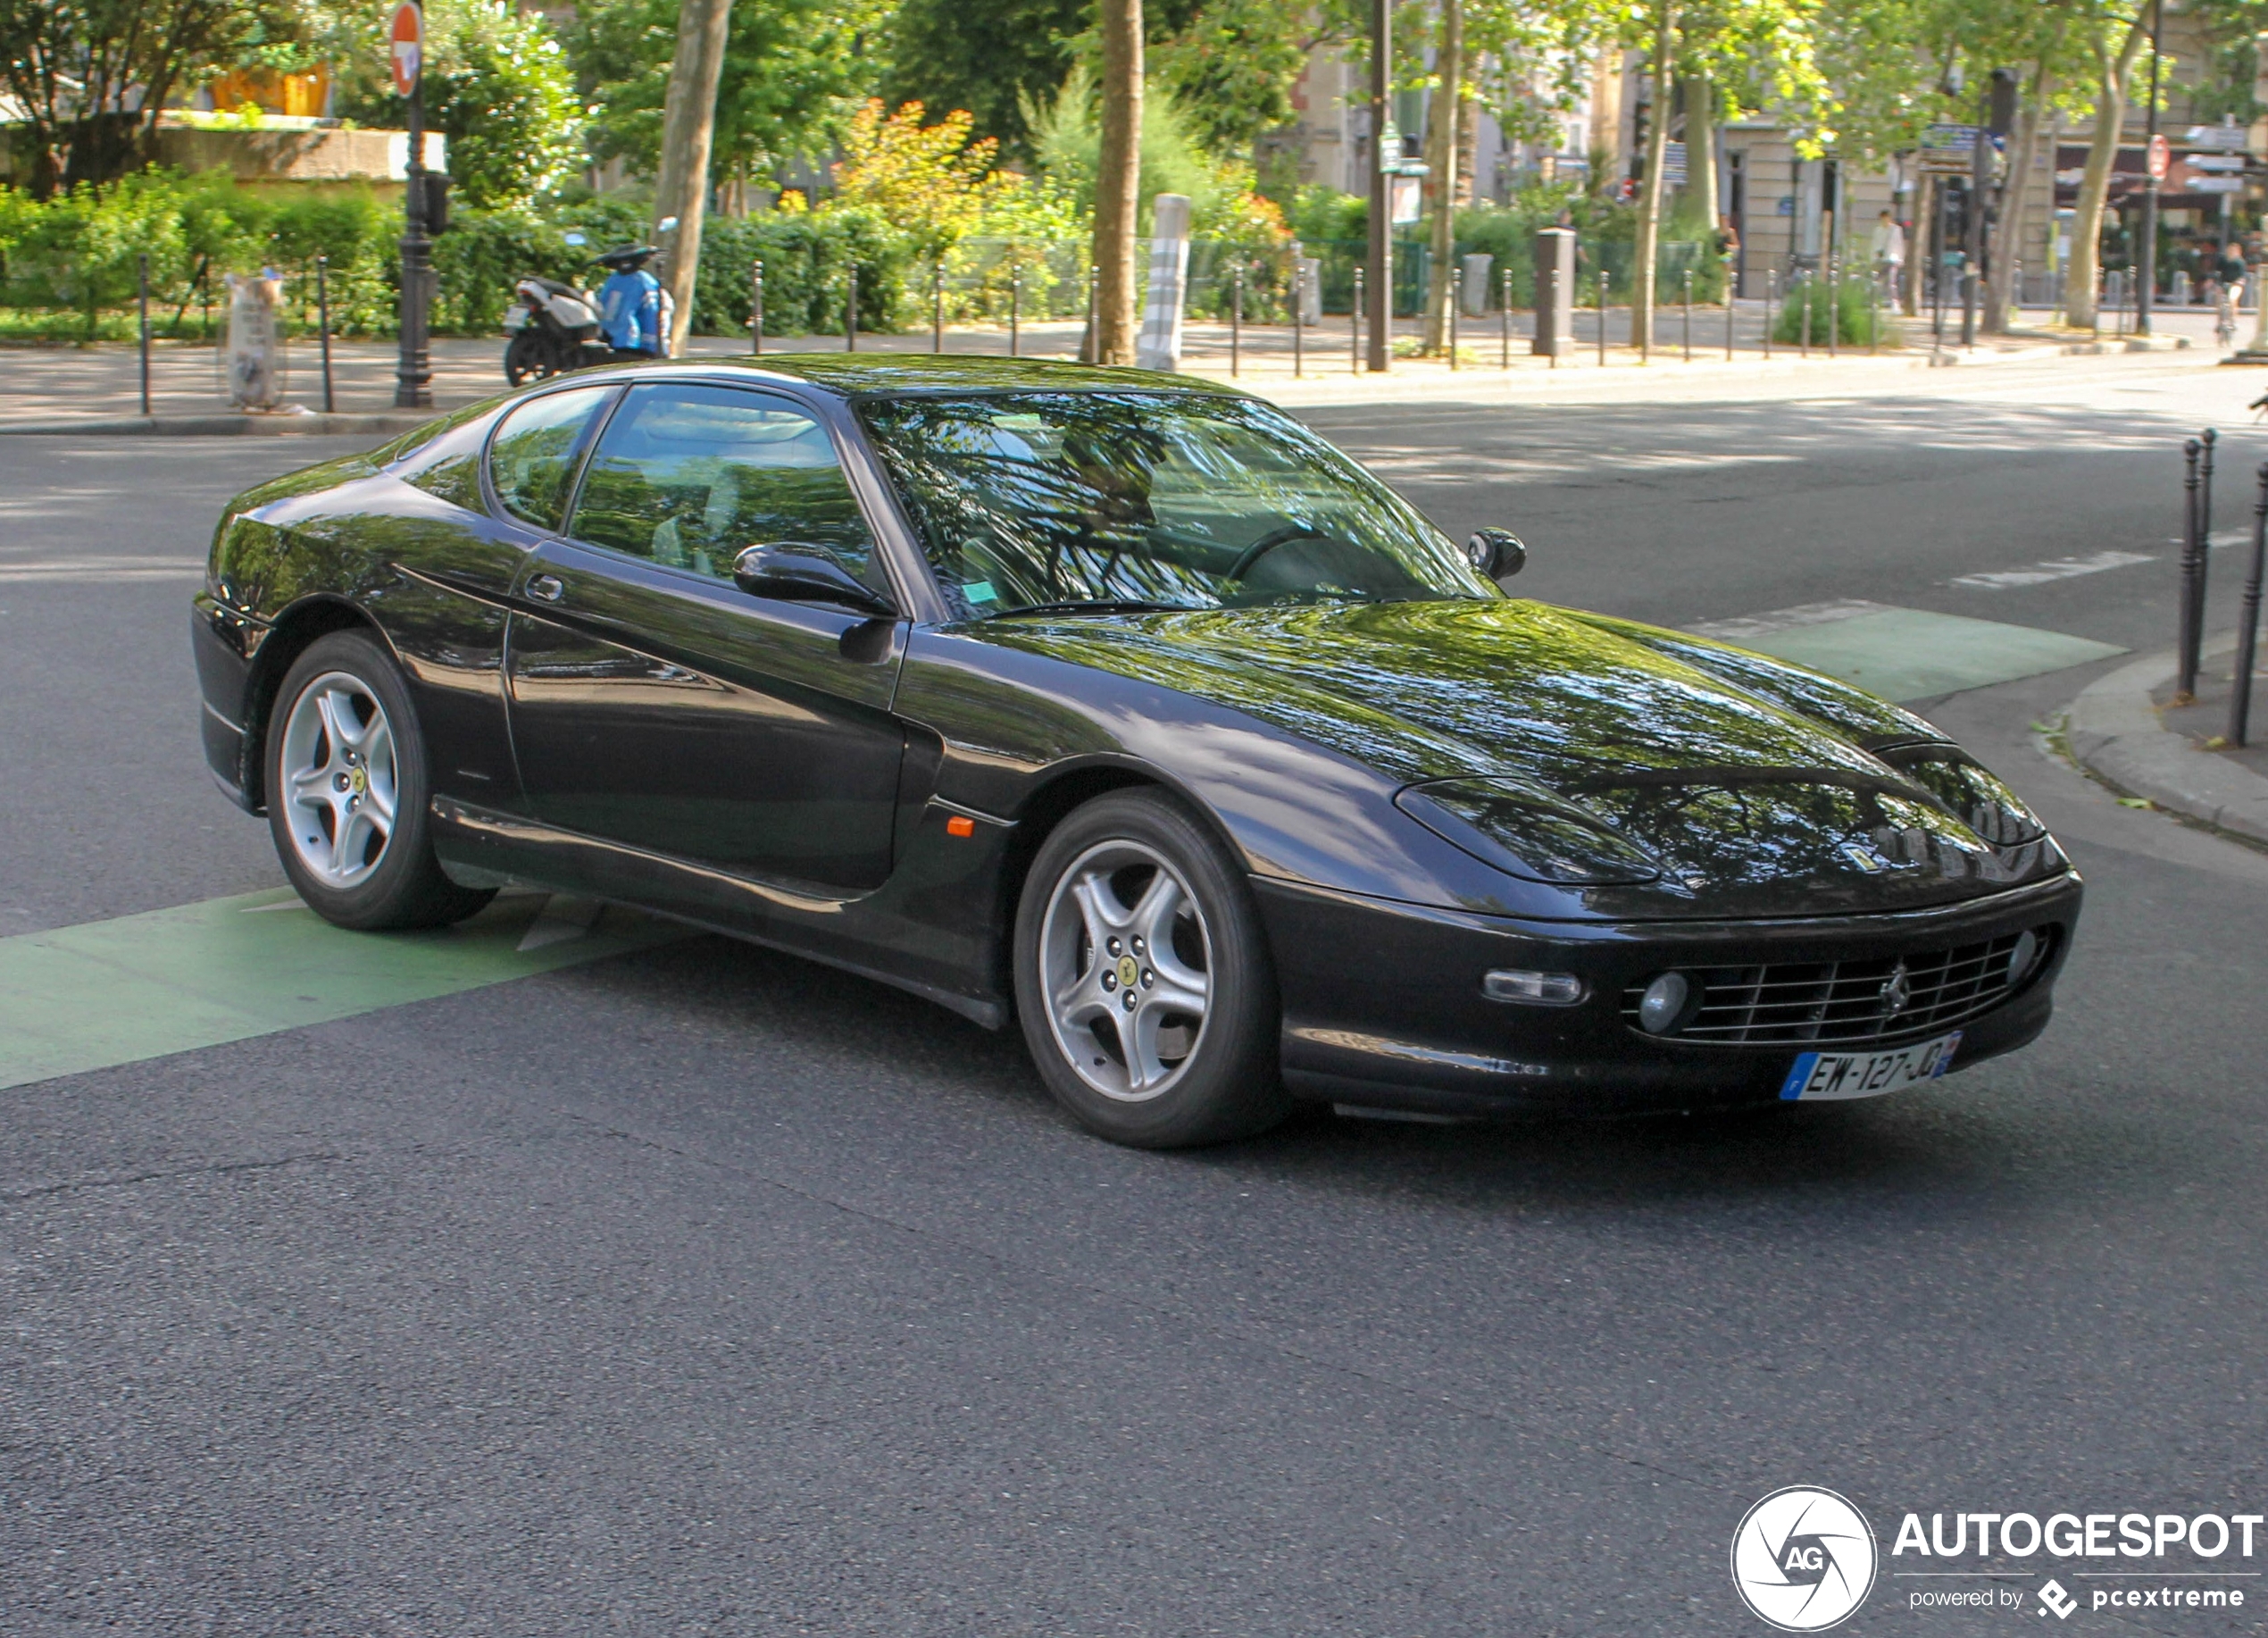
(1802, 1559)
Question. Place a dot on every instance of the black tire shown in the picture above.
(527, 357)
(1212, 1082)
(394, 881)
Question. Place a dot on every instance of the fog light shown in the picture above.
(1535, 989)
(2020, 959)
(1662, 1009)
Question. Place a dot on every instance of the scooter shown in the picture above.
(552, 327)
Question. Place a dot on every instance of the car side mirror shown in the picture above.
(1497, 553)
(794, 573)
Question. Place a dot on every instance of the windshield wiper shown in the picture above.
(1103, 606)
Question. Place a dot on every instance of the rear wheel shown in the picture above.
(1143, 980)
(347, 788)
(527, 357)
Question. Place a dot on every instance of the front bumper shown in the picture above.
(223, 643)
(1382, 1003)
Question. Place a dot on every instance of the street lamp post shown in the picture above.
(414, 370)
(2146, 293)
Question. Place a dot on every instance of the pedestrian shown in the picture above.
(629, 303)
(1887, 248)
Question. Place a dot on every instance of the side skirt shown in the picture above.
(944, 956)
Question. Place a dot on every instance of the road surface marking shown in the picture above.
(105, 993)
(1906, 653)
(2053, 569)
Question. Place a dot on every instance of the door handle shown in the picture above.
(548, 587)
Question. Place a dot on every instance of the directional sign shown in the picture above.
(407, 37)
(2227, 139)
(2216, 185)
(2161, 158)
(1949, 150)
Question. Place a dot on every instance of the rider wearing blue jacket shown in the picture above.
(629, 303)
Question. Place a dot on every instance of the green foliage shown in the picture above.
(1066, 138)
(806, 257)
(497, 84)
(792, 70)
(1230, 68)
(1849, 311)
(999, 60)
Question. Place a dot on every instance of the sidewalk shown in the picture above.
(2124, 729)
(77, 388)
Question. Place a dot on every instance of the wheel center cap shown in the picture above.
(1129, 972)
(359, 782)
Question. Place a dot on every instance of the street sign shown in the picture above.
(2213, 162)
(1949, 150)
(407, 46)
(2216, 185)
(1673, 164)
(2226, 139)
(2161, 158)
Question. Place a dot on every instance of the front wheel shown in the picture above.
(347, 788)
(1143, 980)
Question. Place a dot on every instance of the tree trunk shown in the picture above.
(1649, 198)
(1118, 184)
(688, 128)
(1701, 152)
(2094, 185)
(1917, 240)
(2000, 289)
(1443, 151)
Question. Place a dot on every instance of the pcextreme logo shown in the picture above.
(1802, 1559)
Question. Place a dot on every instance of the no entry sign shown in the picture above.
(406, 38)
(2161, 158)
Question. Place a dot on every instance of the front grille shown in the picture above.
(1835, 1002)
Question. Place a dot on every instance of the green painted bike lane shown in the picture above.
(136, 987)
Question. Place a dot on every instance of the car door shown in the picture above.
(656, 705)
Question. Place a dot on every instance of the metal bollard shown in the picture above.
(1236, 317)
(756, 306)
(1504, 285)
(1834, 306)
(1457, 304)
(1772, 293)
(936, 305)
(1298, 341)
(2208, 438)
(1803, 329)
(1728, 315)
(2249, 621)
(1090, 350)
(2192, 570)
(142, 305)
(1015, 309)
(323, 320)
(1354, 323)
(1873, 316)
(1689, 315)
(1602, 316)
(850, 309)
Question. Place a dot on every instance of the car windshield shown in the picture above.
(1104, 501)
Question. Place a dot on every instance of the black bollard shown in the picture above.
(1236, 317)
(1298, 290)
(2185, 688)
(322, 318)
(1015, 309)
(1772, 292)
(1602, 316)
(850, 309)
(1689, 315)
(756, 306)
(2248, 619)
(1505, 282)
(142, 306)
(1354, 323)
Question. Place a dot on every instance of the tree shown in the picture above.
(990, 58)
(1444, 154)
(1118, 182)
(930, 182)
(792, 69)
(688, 126)
(2116, 44)
(91, 76)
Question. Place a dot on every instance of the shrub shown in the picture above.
(1855, 319)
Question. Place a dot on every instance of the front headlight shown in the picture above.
(1988, 807)
(1526, 833)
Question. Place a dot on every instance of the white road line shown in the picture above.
(1747, 628)
(2053, 569)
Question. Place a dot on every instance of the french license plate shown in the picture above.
(515, 319)
(1819, 1076)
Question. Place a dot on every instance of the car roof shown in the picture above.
(891, 375)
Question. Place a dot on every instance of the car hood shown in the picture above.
(1756, 788)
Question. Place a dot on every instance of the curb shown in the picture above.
(377, 423)
(2114, 732)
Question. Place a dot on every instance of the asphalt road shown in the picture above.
(703, 1291)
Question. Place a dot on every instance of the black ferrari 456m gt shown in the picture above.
(1120, 706)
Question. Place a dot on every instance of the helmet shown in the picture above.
(623, 258)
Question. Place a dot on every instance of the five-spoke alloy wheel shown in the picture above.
(1142, 977)
(347, 788)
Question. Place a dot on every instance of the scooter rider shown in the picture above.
(630, 303)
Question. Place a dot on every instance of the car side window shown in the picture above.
(532, 460)
(448, 466)
(690, 476)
